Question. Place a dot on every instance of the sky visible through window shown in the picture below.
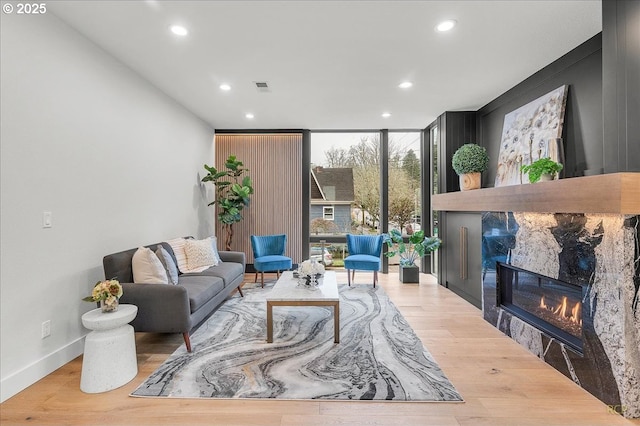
(320, 142)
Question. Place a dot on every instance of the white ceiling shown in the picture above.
(333, 64)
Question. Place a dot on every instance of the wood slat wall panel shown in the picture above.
(275, 164)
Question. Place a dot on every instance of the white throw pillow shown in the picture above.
(200, 255)
(147, 268)
(177, 245)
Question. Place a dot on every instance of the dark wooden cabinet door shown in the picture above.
(462, 260)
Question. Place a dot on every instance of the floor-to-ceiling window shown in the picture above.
(434, 147)
(404, 203)
(344, 191)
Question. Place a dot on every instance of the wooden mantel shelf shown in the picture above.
(616, 193)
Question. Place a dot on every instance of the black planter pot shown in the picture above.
(409, 274)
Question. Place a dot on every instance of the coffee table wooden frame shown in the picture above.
(334, 303)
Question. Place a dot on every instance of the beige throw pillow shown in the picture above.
(147, 268)
(200, 255)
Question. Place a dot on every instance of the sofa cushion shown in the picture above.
(228, 271)
(200, 289)
(147, 268)
(168, 263)
(200, 255)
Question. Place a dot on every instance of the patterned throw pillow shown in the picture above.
(200, 255)
(169, 265)
(177, 245)
(147, 268)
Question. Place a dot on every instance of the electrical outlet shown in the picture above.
(46, 329)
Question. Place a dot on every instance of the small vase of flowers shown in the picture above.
(310, 270)
(108, 293)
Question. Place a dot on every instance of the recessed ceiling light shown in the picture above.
(405, 84)
(386, 114)
(179, 30)
(249, 116)
(225, 87)
(445, 25)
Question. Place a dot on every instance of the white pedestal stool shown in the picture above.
(109, 350)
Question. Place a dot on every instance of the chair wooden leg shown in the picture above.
(349, 277)
(187, 341)
(255, 279)
(262, 278)
(375, 278)
(277, 274)
(240, 290)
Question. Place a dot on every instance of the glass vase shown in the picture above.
(109, 308)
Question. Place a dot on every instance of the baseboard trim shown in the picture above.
(22, 379)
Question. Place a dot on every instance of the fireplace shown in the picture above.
(548, 304)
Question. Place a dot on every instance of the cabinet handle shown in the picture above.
(463, 253)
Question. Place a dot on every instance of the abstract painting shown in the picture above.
(531, 132)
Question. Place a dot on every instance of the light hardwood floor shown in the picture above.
(501, 383)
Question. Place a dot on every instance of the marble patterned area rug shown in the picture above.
(379, 356)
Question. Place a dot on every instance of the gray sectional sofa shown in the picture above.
(168, 308)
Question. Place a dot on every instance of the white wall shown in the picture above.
(115, 160)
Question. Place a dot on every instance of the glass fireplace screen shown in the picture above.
(552, 306)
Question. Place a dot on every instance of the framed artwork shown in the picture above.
(531, 132)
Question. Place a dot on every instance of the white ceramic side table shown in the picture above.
(109, 350)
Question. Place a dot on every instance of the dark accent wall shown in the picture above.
(581, 70)
(456, 129)
(621, 85)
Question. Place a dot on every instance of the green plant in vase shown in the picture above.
(417, 246)
(542, 169)
(469, 161)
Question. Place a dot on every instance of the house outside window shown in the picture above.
(332, 196)
(327, 213)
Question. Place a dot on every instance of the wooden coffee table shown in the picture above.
(287, 293)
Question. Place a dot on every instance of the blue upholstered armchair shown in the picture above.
(268, 255)
(364, 255)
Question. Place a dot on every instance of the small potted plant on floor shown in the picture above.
(417, 247)
(543, 169)
(469, 161)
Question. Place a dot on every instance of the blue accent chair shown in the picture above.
(364, 255)
(268, 255)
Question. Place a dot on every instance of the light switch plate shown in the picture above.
(47, 220)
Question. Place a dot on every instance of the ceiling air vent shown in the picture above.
(262, 86)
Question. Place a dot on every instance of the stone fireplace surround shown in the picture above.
(590, 239)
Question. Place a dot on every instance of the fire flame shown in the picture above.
(575, 316)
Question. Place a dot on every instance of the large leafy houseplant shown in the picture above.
(417, 246)
(540, 167)
(232, 193)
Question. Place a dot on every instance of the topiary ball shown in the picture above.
(470, 158)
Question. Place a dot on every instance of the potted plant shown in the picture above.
(418, 246)
(543, 169)
(468, 162)
(232, 194)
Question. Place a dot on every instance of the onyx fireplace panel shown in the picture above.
(593, 259)
(552, 306)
